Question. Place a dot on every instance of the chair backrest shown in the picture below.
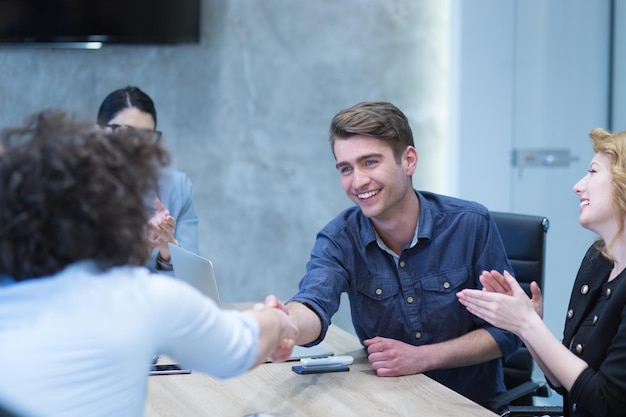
(524, 239)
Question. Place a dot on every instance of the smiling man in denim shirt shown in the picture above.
(401, 255)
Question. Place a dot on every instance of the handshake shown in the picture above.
(278, 332)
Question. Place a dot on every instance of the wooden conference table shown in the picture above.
(273, 388)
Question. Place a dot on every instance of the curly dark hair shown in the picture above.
(69, 193)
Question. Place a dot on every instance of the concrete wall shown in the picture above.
(246, 114)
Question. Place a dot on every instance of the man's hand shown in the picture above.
(283, 349)
(390, 357)
(273, 302)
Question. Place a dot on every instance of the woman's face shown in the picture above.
(135, 118)
(596, 191)
(132, 117)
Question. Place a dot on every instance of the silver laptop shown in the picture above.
(195, 270)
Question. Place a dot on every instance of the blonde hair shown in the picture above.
(613, 145)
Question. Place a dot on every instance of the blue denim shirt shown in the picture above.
(413, 300)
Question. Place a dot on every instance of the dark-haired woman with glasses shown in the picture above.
(174, 219)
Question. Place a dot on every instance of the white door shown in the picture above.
(533, 77)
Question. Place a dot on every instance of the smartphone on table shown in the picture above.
(319, 369)
(169, 369)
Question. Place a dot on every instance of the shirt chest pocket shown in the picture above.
(446, 282)
(439, 302)
(378, 288)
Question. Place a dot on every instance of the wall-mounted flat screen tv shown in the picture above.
(139, 22)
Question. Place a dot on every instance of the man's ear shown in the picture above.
(409, 159)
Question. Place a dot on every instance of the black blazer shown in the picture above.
(600, 390)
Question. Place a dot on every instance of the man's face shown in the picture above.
(371, 177)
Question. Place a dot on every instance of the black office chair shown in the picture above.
(524, 238)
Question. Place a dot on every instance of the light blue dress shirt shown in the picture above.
(80, 343)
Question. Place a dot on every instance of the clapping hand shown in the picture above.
(162, 226)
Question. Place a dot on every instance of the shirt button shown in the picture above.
(608, 293)
(379, 291)
(574, 407)
(585, 289)
(595, 319)
(409, 300)
(418, 335)
(446, 285)
(402, 264)
(579, 349)
(570, 313)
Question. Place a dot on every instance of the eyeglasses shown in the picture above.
(155, 135)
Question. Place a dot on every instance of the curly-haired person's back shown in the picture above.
(69, 193)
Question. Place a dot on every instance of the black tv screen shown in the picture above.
(105, 21)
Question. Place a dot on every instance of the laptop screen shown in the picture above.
(195, 270)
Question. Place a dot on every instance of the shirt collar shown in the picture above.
(384, 247)
(423, 230)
